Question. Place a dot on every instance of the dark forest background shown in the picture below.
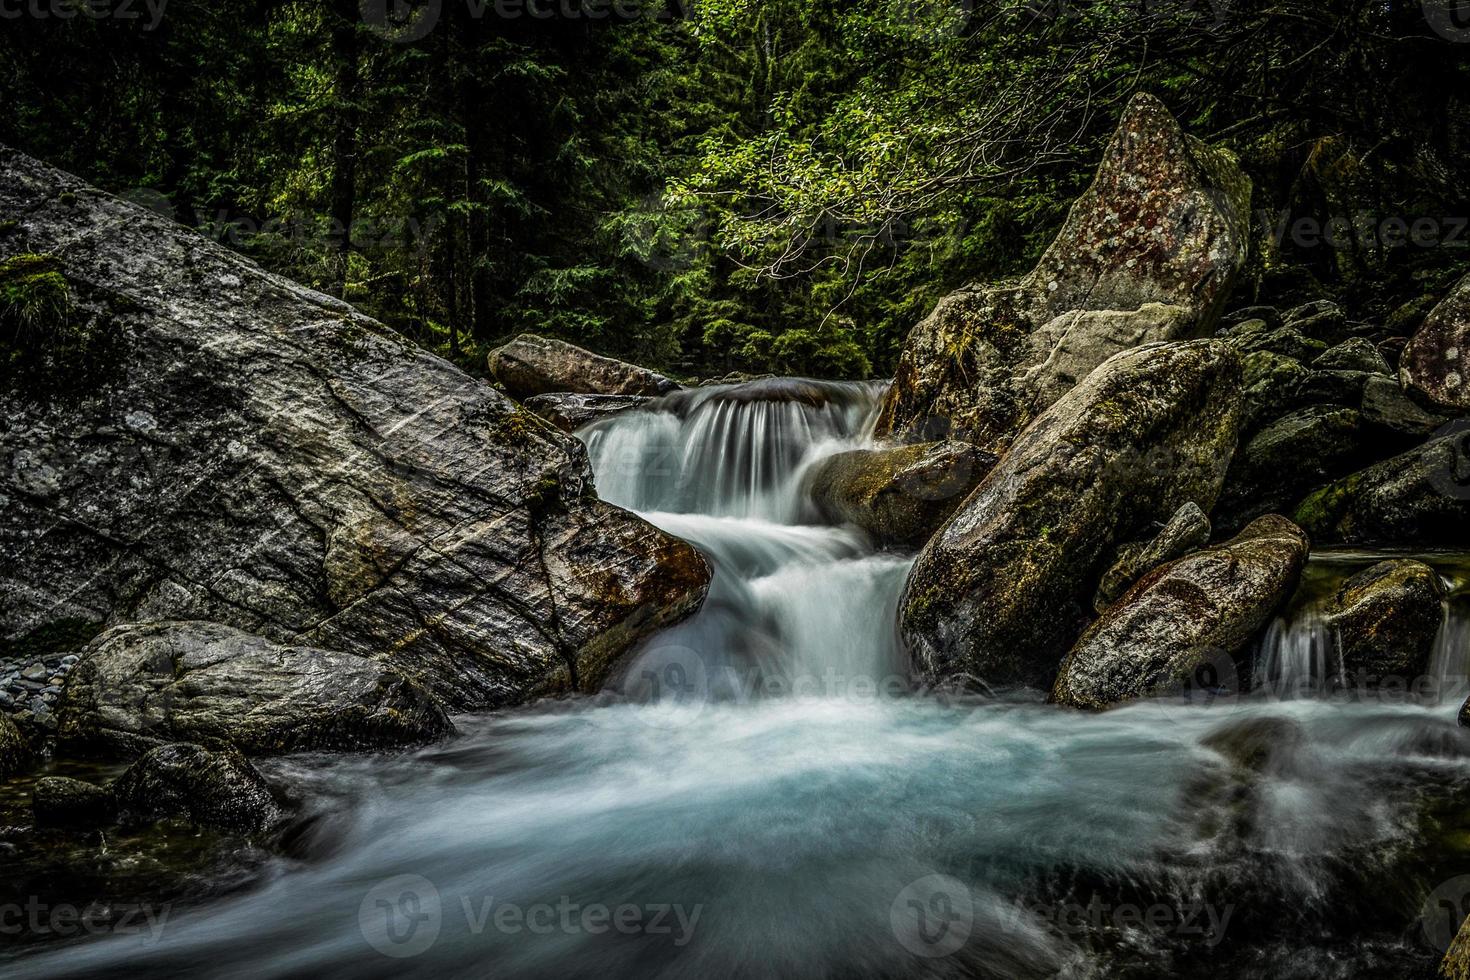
(727, 185)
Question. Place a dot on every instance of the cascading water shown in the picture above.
(753, 801)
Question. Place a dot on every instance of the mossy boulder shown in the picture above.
(1421, 497)
(139, 686)
(1148, 253)
(15, 750)
(1184, 616)
(899, 495)
(62, 802)
(209, 788)
(1384, 620)
(1434, 362)
(1004, 588)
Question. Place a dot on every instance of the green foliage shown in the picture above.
(35, 303)
(784, 185)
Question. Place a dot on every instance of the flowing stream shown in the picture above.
(761, 793)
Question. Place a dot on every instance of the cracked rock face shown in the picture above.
(532, 365)
(1148, 253)
(260, 455)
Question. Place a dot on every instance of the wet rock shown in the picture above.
(1321, 320)
(1283, 341)
(1434, 362)
(1188, 530)
(262, 456)
(1421, 497)
(1387, 408)
(1276, 385)
(1355, 354)
(900, 496)
(1002, 590)
(1148, 253)
(209, 788)
(570, 412)
(1385, 618)
(58, 801)
(145, 685)
(1290, 458)
(1257, 745)
(532, 365)
(15, 750)
(1270, 316)
(1184, 616)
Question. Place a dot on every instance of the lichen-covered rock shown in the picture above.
(1284, 341)
(569, 412)
(1434, 362)
(1354, 354)
(1183, 616)
(1148, 253)
(901, 495)
(1384, 619)
(1003, 589)
(1456, 962)
(210, 788)
(1188, 530)
(1385, 407)
(15, 750)
(262, 456)
(1288, 459)
(532, 365)
(1421, 497)
(58, 801)
(140, 686)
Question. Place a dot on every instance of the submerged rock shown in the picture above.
(1183, 616)
(15, 750)
(1188, 530)
(209, 788)
(1421, 497)
(902, 495)
(57, 801)
(1002, 590)
(1148, 253)
(1385, 619)
(1434, 362)
(262, 456)
(532, 365)
(570, 412)
(139, 686)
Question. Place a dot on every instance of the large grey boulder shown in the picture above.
(1384, 620)
(218, 789)
(1003, 589)
(260, 455)
(900, 496)
(140, 686)
(1148, 253)
(1434, 363)
(532, 365)
(1183, 616)
(1421, 497)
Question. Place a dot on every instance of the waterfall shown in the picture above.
(794, 606)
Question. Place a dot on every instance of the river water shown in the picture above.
(762, 793)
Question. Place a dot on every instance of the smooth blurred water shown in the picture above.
(764, 782)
